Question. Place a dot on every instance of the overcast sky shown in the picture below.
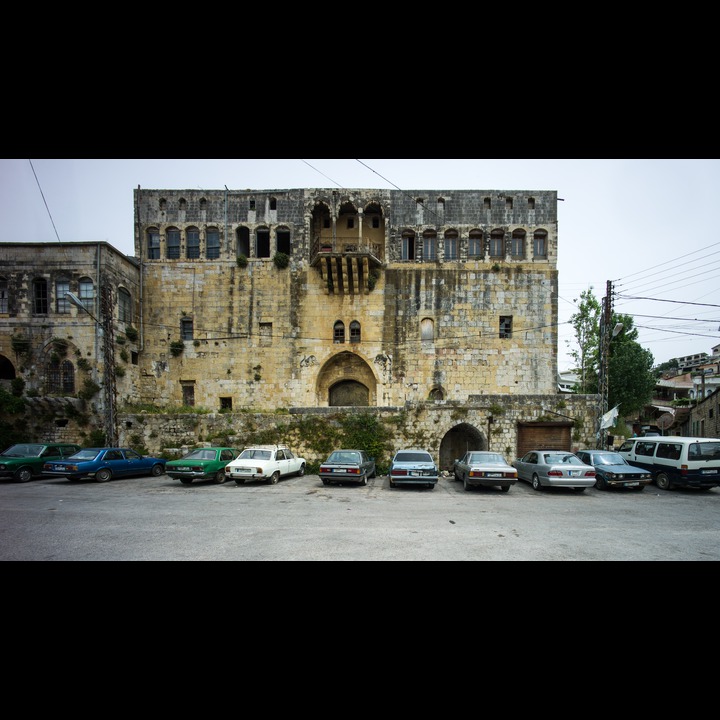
(647, 225)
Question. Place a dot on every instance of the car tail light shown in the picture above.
(683, 469)
(324, 469)
(590, 473)
(554, 473)
(398, 472)
(354, 471)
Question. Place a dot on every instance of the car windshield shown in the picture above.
(409, 457)
(609, 459)
(200, 454)
(89, 454)
(24, 450)
(487, 459)
(344, 457)
(704, 451)
(254, 455)
(568, 458)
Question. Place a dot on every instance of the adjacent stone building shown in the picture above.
(313, 302)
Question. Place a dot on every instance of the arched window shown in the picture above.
(212, 249)
(124, 306)
(243, 241)
(517, 249)
(153, 244)
(62, 304)
(173, 244)
(86, 292)
(497, 243)
(193, 243)
(429, 245)
(408, 245)
(475, 244)
(262, 243)
(339, 332)
(40, 296)
(186, 329)
(60, 377)
(3, 295)
(451, 245)
(427, 329)
(354, 331)
(540, 244)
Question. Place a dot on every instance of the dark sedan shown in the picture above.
(103, 464)
(342, 466)
(613, 470)
(413, 467)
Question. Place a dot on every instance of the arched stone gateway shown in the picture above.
(346, 379)
(457, 441)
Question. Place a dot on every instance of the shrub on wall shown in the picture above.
(176, 347)
(281, 260)
(242, 261)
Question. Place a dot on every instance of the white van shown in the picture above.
(676, 461)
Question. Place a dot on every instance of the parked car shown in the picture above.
(486, 468)
(265, 462)
(612, 470)
(676, 461)
(413, 467)
(207, 463)
(347, 466)
(554, 468)
(24, 461)
(105, 463)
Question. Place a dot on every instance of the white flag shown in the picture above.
(608, 419)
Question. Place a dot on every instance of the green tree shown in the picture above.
(586, 323)
(631, 379)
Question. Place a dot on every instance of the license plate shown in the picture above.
(631, 484)
(574, 473)
(339, 470)
(708, 472)
(183, 469)
(59, 467)
(493, 474)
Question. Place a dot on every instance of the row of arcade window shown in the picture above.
(479, 244)
(86, 294)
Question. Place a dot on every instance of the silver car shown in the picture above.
(554, 468)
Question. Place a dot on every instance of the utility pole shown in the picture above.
(111, 437)
(605, 335)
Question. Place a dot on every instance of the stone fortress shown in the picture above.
(311, 302)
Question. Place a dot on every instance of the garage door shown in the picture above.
(533, 436)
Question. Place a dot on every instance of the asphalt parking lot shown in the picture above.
(300, 519)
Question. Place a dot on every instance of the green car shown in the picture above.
(24, 461)
(206, 463)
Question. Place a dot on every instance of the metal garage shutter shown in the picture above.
(533, 436)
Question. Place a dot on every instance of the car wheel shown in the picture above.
(466, 484)
(220, 477)
(103, 475)
(600, 483)
(372, 474)
(24, 474)
(392, 484)
(364, 479)
(301, 471)
(455, 475)
(272, 480)
(185, 481)
(663, 481)
(157, 470)
(505, 488)
(536, 482)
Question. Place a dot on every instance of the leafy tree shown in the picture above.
(586, 323)
(631, 379)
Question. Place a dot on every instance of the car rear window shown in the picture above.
(413, 457)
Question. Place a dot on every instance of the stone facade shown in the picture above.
(292, 303)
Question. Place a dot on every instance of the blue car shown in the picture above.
(103, 464)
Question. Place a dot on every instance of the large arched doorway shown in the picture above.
(346, 379)
(457, 442)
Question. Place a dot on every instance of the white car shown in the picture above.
(265, 462)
